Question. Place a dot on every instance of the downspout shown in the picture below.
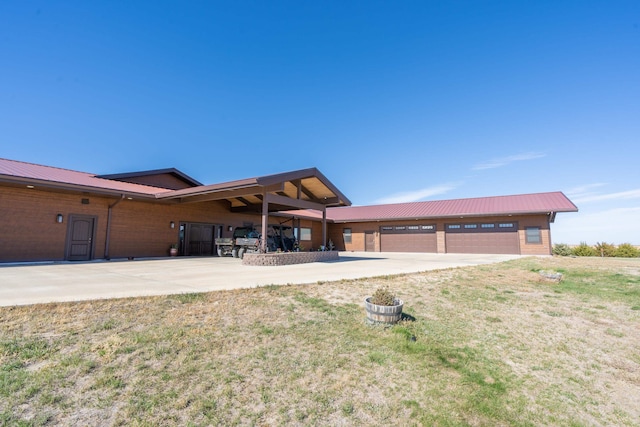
(265, 221)
(106, 241)
(324, 228)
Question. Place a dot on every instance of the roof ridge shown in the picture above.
(460, 198)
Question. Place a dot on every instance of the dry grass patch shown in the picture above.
(486, 345)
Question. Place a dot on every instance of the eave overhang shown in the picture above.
(302, 189)
(78, 188)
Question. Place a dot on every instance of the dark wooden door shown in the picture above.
(369, 241)
(199, 239)
(80, 238)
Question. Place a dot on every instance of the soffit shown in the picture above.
(284, 191)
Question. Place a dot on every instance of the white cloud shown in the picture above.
(584, 189)
(618, 225)
(503, 161)
(417, 195)
(594, 197)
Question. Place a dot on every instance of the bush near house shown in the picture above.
(584, 250)
(605, 249)
(562, 249)
(627, 250)
(602, 249)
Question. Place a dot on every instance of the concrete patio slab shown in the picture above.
(22, 284)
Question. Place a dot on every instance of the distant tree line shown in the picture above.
(604, 249)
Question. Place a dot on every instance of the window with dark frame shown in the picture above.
(346, 234)
(533, 235)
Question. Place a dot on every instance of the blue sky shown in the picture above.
(392, 101)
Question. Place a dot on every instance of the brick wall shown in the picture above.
(288, 258)
(28, 227)
(29, 231)
(359, 229)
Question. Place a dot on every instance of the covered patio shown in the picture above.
(296, 190)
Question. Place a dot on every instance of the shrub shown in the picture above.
(562, 249)
(627, 250)
(382, 296)
(584, 250)
(605, 249)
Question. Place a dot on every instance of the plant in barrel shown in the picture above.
(383, 307)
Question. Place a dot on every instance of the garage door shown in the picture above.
(483, 238)
(408, 238)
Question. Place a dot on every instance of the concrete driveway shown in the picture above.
(68, 281)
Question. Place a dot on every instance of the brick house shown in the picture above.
(49, 213)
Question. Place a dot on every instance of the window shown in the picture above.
(533, 235)
(413, 227)
(453, 226)
(505, 225)
(488, 225)
(346, 234)
(305, 234)
(471, 226)
(428, 227)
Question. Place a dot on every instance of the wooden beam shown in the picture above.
(306, 191)
(230, 194)
(243, 200)
(294, 203)
(249, 208)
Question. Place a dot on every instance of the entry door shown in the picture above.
(369, 241)
(80, 233)
(199, 239)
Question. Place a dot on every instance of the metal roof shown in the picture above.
(305, 185)
(302, 188)
(306, 188)
(537, 203)
(170, 171)
(51, 177)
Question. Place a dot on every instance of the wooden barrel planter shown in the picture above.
(383, 314)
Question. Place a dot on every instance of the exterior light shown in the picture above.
(230, 228)
(59, 218)
(172, 224)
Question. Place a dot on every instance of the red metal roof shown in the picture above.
(12, 170)
(480, 206)
(315, 185)
(29, 173)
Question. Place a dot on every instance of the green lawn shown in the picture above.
(487, 345)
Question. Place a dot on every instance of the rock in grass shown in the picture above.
(551, 275)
